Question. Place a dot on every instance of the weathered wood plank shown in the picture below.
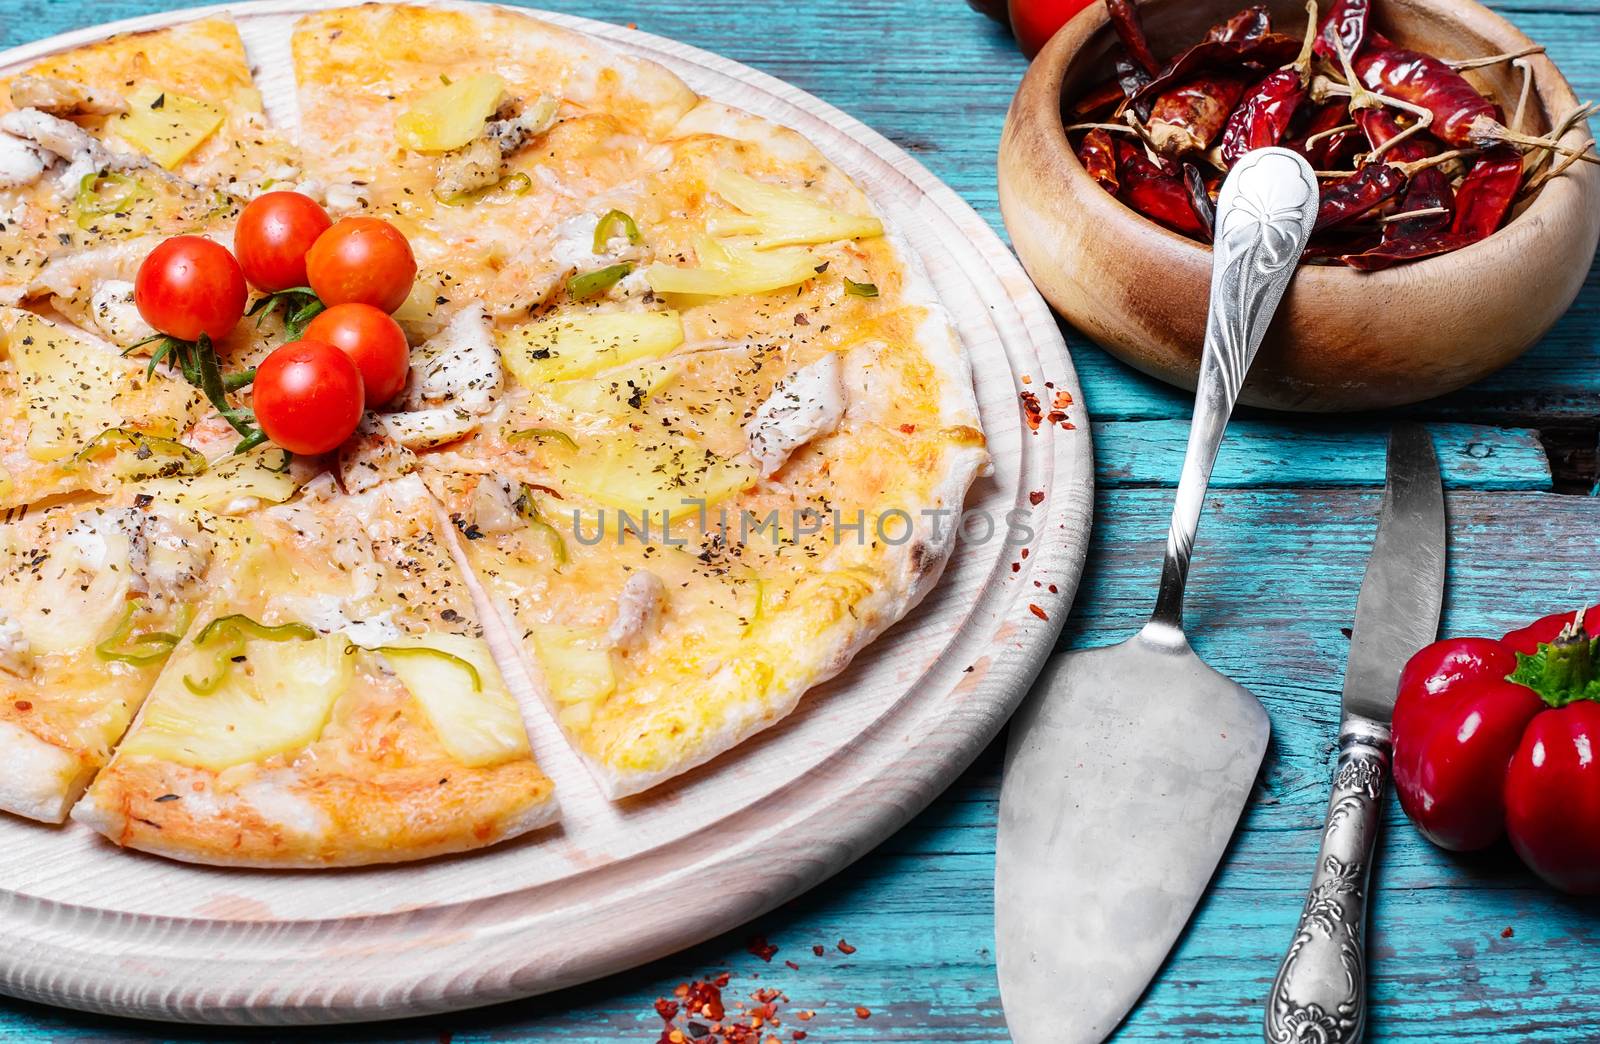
(1275, 579)
(1334, 454)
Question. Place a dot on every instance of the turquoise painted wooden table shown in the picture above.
(1462, 949)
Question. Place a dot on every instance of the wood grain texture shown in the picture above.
(618, 883)
(935, 78)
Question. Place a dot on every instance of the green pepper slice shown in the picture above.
(856, 289)
(141, 650)
(514, 184)
(526, 506)
(610, 223)
(438, 654)
(228, 634)
(100, 194)
(590, 284)
(140, 456)
(541, 434)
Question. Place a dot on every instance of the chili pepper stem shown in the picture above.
(1539, 182)
(1523, 93)
(1302, 63)
(1494, 59)
(1314, 139)
(1114, 128)
(1390, 219)
(1484, 129)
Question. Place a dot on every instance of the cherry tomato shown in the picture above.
(373, 341)
(274, 233)
(362, 260)
(1035, 21)
(307, 396)
(190, 286)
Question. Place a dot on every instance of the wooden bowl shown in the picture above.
(1343, 340)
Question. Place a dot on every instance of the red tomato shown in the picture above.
(373, 341)
(362, 260)
(275, 232)
(190, 286)
(307, 396)
(1035, 21)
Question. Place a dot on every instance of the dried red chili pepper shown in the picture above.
(1429, 188)
(1427, 82)
(1246, 25)
(1189, 117)
(1200, 198)
(1388, 255)
(1158, 196)
(1101, 99)
(1130, 30)
(1322, 144)
(1486, 194)
(1346, 23)
(1349, 198)
(1211, 57)
(1098, 154)
(1261, 119)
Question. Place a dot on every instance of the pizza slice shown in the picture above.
(108, 148)
(92, 601)
(686, 546)
(335, 702)
(75, 415)
(489, 137)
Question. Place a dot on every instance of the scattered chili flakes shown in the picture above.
(23, 705)
(706, 1019)
(908, 429)
(1036, 497)
(759, 946)
(1062, 400)
(1026, 379)
(792, 965)
(818, 950)
(863, 1013)
(846, 948)
(1032, 412)
(667, 1009)
(1507, 933)
(1036, 611)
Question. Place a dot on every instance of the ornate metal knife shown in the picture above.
(1320, 994)
(1128, 767)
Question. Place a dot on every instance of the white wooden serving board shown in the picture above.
(87, 925)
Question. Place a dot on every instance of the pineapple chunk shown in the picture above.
(778, 216)
(165, 126)
(78, 592)
(275, 702)
(70, 386)
(7, 486)
(448, 117)
(478, 726)
(230, 483)
(583, 345)
(655, 473)
(577, 667)
(727, 269)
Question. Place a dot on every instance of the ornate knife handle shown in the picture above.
(1320, 994)
(1265, 213)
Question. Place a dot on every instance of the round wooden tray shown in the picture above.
(86, 925)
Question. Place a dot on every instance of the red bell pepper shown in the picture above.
(1503, 737)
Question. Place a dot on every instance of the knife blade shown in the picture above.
(1320, 989)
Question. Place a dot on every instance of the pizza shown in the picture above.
(681, 428)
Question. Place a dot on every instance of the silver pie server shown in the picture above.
(1128, 767)
(1320, 994)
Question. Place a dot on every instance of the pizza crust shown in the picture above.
(40, 781)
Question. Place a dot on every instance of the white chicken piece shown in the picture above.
(803, 405)
(479, 163)
(455, 379)
(346, 196)
(166, 555)
(56, 138)
(638, 609)
(64, 97)
(20, 163)
(115, 315)
(16, 657)
(371, 457)
(494, 505)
